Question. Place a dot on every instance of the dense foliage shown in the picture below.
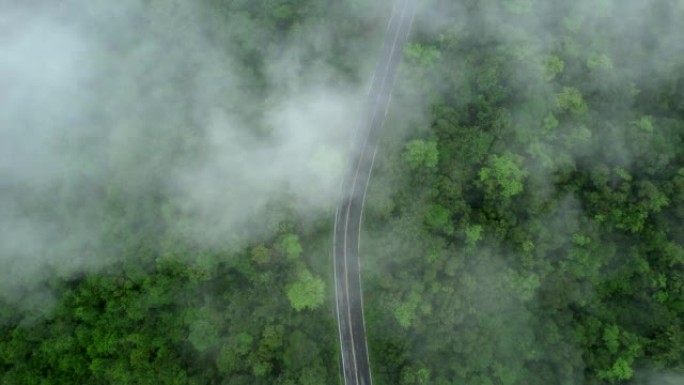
(526, 229)
(534, 232)
(156, 300)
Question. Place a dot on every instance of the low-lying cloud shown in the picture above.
(103, 101)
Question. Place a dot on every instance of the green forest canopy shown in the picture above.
(525, 228)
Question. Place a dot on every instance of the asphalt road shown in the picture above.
(346, 241)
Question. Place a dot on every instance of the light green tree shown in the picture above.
(553, 66)
(421, 54)
(504, 173)
(599, 61)
(307, 292)
(231, 355)
(420, 153)
(570, 100)
(261, 254)
(438, 218)
(621, 370)
(473, 234)
(290, 245)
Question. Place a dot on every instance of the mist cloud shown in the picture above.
(105, 101)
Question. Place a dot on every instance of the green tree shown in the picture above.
(503, 174)
(307, 292)
(621, 370)
(261, 254)
(473, 234)
(553, 66)
(290, 245)
(405, 311)
(438, 218)
(231, 356)
(422, 55)
(570, 100)
(421, 154)
(599, 61)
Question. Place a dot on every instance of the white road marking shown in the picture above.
(337, 297)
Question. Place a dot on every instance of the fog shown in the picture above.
(106, 103)
(103, 100)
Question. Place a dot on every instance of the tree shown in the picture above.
(621, 370)
(261, 254)
(307, 292)
(231, 357)
(599, 62)
(473, 234)
(415, 376)
(570, 100)
(405, 311)
(290, 245)
(503, 175)
(438, 218)
(553, 66)
(424, 56)
(421, 154)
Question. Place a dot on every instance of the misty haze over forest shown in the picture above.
(169, 171)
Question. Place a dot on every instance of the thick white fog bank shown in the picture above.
(101, 102)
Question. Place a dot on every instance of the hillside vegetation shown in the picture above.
(524, 223)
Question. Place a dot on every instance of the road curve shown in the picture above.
(346, 238)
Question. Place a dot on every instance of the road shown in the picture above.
(346, 238)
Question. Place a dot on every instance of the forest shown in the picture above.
(524, 222)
